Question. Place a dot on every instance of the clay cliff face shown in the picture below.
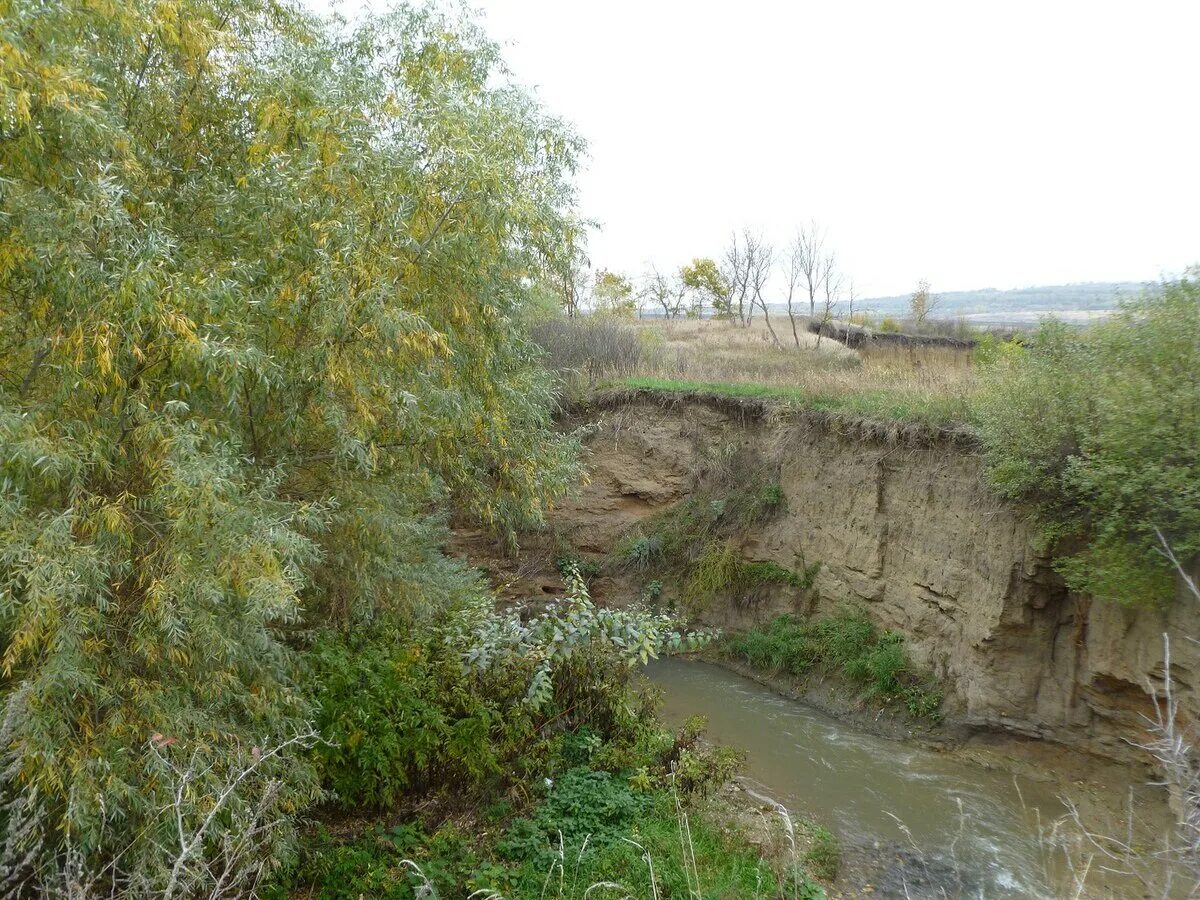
(905, 528)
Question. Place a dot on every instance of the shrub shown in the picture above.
(399, 713)
(465, 702)
(1097, 430)
(590, 349)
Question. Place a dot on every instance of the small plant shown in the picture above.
(567, 563)
(824, 855)
(722, 571)
(643, 551)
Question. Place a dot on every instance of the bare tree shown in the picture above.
(793, 274)
(745, 270)
(573, 280)
(832, 285)
(759, 256)
(811, 260)
(667, 292)
(734, 271)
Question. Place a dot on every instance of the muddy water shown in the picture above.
(877, 793)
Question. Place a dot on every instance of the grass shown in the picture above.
(930, 385)
(721, 571)
(897, 404)
(848, 644)
(591, 835)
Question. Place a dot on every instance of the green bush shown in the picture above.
(848, 644)
(1097, 430)
(397, 714)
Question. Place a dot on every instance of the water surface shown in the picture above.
(870, 789)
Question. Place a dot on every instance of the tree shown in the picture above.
(759, 256)
(794, 275)
(809, 257)
(612, 295)
(572, 276)
(745, 270)
(666, 292)
(262, 289)
(832, 284)
(703, 279)
(921, 303)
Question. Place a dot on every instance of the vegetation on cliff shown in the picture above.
(1100, 431)
(848, 645)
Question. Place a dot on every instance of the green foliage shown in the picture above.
(849, 644)
(642, 551)
(583, 804)
(567, 563)
(696, 539)
(721, 571)
(595, 793)
(889, 324)
(702, 278)
(579, 835)
(466, 703)
(1097, 429)
(263, 290)
(398, 714)
(625, 827)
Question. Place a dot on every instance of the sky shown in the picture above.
(972, 144)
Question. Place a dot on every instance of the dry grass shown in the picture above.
(931, 384)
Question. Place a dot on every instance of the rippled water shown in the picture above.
(867, 788)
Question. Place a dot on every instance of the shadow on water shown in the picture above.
(943, 819)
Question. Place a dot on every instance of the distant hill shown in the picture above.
(1073, 302)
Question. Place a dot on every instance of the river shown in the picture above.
(879, 795)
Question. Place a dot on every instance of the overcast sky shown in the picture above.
(974, 144)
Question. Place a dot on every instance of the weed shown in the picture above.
(824, 856)
(643, 551)
(586, 569)
(721, 571)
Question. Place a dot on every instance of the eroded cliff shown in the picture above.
(905, 528)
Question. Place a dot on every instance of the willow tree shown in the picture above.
(259, 283)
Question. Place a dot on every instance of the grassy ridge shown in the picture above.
(894, 405)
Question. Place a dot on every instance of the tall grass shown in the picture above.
(930, 384)
(586, 350)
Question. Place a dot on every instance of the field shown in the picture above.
(931, 385)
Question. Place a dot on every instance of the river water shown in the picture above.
(873, 792)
